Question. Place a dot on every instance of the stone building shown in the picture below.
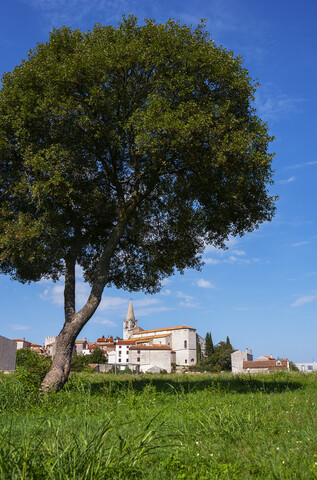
(237, 359)
(151, 357)
(242, 362)
(7, 354)
(155, 348)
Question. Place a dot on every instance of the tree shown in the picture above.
(209, 346)
(97, 356)
(228, 343)
(125, 151)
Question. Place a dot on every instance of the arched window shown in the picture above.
(185, 343)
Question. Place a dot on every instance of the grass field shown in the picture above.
(161, 427)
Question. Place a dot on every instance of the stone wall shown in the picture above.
(7, 354)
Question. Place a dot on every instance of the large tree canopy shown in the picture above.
(125, 150)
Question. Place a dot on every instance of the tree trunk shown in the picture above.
(74, 322)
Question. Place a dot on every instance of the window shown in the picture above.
(185, 360)
(192, 360)
(278, 363)
(310, 367)
(185, 343)
(139, 352)
(138, 359)
(127, 360)
(119, 360)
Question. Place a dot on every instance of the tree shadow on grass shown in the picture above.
(184, 384)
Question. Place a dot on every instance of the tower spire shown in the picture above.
(130, 314)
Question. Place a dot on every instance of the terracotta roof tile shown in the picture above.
(271, 364)
(150, 347)
(167, 328)
(126, 342)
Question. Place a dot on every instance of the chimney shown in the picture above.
(271, 355)
(247, 350)
(250, 351)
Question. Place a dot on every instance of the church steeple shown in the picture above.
(130, 314)
(129, 323)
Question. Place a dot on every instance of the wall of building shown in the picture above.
(7, 354)
(185, 346)
(237, 359)
(307, 367)
(151, 358)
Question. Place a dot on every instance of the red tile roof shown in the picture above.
(126, 342)
(270, 364)
(167, 328)
(20, 340)
(150, 347)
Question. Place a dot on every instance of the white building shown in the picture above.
(152, 357)
(160, 347)
(21, 343)
(307, 367)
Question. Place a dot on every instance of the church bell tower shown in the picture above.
(129, 323)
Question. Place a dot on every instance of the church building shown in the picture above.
(156, 348)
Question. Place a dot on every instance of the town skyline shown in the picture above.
(262, 291)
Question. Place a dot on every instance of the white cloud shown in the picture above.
(16, 326)
(108, 303)
(54, 294)
(142, 312)
(212, 261)
(188, 300)
(286, 180)
(183, 295)
(299, 244)
(204, 283)
(272, 106)
(166, 292)
(103, 321)
(239, 252)
(301, 165)
(144, 302)
(302, 299)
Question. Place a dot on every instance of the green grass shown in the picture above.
(157, 427)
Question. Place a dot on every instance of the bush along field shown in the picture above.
(102, 426)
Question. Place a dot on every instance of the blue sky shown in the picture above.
(262, 291)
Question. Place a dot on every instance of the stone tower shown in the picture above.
(129, 323)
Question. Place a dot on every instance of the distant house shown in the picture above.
(21, 343)
(242, 362)
(81, 345)
(307, 367)
(265, 366)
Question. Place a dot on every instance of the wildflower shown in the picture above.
(197, 454)
(277, 448)
(211, 454)
(197, 443)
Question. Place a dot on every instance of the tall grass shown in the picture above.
(168, 426)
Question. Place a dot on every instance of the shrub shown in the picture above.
(31, 367)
